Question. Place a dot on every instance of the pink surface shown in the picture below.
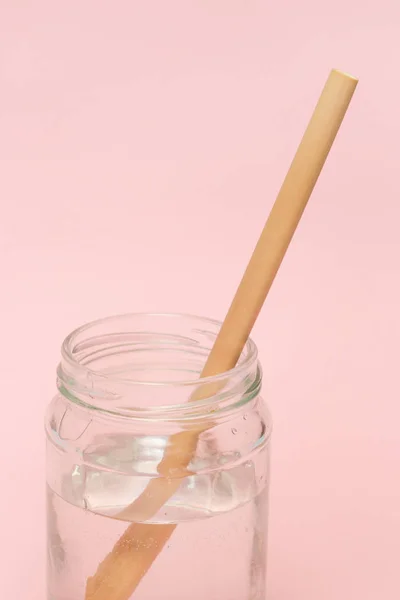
(141, 146)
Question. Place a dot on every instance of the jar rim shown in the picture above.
(69, 344)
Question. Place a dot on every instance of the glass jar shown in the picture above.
(156, 491)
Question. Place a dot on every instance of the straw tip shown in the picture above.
(344, 74)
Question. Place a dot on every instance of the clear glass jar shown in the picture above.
(151, 495)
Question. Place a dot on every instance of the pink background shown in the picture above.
(142, 145)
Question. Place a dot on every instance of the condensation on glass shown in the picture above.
(124, 387)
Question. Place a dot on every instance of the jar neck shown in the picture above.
(147, 366)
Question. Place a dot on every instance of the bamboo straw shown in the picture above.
(122, 570)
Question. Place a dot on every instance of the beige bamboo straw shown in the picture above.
(122, 570)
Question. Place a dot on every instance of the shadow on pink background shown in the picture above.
(142, 145)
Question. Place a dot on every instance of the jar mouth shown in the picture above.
(135, 361)
(72, 345)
